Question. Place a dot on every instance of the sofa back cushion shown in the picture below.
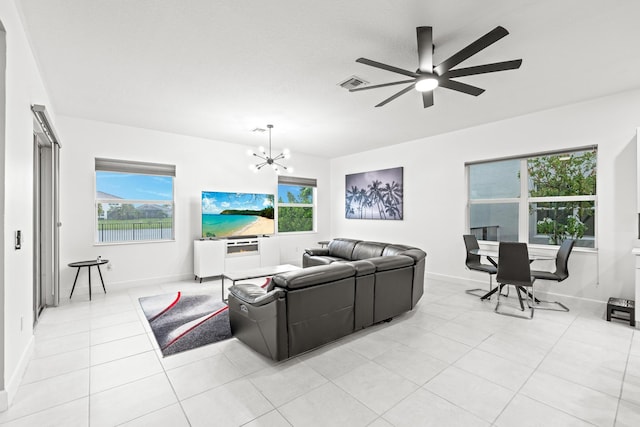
(395, 249)
(311, 276)
(366, 250)
(342, 248)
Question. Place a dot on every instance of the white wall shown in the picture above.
(435, 190)
(23, 88)
(200, 165)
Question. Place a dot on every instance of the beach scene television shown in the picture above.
(236, 214)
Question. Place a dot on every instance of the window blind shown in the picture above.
(129, 166)
(292, 180)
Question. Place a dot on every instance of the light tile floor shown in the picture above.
(450, 362)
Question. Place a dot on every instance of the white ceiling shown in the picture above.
(218, 69)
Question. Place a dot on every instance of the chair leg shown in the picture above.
(520, 298)
(514, 315)
(561, 305)
(479, 292)
(533, 301)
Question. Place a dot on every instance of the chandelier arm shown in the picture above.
(268, 159)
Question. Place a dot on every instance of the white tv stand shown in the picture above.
(213, 257)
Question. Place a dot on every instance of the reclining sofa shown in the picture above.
(345, 287)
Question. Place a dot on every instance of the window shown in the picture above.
(555, 201)
(134, 201)
(296, 204)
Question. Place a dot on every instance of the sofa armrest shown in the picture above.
(255, 295)
(317, 251)
(384, 263)
(416, 254)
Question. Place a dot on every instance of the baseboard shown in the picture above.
(7, 396)
(153, 280)
(466, 281)
(4, 400)
(97, 287)
(457, 280)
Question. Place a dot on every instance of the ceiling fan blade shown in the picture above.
(481, 69)
(425, 49)
(381, 85)
(427, 98)
(391, 98)
(461, 87)
(386, 67)
(483, 42)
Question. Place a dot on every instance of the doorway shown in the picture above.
(46, 246)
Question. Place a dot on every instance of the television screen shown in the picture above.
(236, 214)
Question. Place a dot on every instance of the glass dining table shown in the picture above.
(492, 257)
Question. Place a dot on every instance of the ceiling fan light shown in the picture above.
(426, 84)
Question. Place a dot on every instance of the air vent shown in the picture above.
(353, 82)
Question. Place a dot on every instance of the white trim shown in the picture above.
(471, 282)
(7, 396)
(551, 199)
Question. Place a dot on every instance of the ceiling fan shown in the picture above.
(427, 77)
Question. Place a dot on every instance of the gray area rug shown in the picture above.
(182, 322)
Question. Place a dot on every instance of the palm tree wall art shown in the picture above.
(374, 195)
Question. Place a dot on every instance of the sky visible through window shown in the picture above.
(135, 186)
(284, 189)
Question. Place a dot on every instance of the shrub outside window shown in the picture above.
(296, 204)
(134, 201)
(559, 202)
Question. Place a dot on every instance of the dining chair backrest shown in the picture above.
(562, 259)
(513, 264)
(471, 243)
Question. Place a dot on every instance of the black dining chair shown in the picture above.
(561, 273)
(473, 263)
(514, 269)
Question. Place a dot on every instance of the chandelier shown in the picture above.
(268, 159)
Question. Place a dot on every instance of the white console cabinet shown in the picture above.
(213, 257)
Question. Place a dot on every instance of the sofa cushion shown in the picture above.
(395, 249)
(342, 248)
(310, 276)
(366, 250)
(384, 263)
(363, 267)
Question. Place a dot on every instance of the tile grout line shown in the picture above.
(164, 371)
(517, 392)
(624, 375)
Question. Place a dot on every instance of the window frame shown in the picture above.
(302, 182)
(133, 168)
(524, 200)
